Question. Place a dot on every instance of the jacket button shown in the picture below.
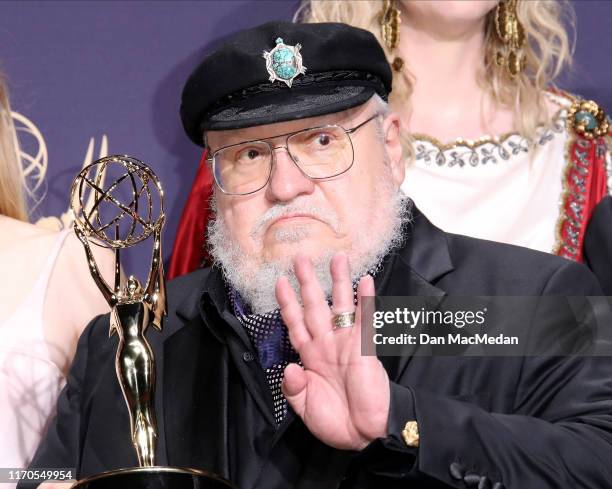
(456, 471)
(498, 485)
(484, 483)
(247, 356)
(471, 479)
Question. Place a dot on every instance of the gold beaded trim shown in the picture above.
(587, 119)
(481, 141)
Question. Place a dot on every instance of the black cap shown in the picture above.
(232, 87)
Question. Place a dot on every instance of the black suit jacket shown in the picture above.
(525, 423)
(598, 244)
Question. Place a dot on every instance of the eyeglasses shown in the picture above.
(319, 152)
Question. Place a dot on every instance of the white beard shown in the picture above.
(255, 280)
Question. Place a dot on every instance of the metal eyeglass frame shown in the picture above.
(211, 159)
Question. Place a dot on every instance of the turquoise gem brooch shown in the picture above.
(284, 62)
(587, 119)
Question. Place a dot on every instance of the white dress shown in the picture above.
(30, 381)
(494, 188)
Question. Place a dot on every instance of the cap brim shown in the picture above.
(289, 104)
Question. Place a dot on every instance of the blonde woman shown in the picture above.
(46, 299)
(496, 152)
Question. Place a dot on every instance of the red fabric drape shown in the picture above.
(586, 184)
(189, 250)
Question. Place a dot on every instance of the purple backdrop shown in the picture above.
(83, 69)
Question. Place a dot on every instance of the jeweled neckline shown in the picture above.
(487, 150)
(486, 139)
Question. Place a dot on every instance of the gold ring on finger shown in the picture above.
(344, 320)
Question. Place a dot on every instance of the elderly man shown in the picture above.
(260, 373)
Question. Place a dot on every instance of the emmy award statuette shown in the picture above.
(119, 222)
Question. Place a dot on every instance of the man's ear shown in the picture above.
(392, 129)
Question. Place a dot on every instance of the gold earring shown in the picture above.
(390, 20)
(512, 35)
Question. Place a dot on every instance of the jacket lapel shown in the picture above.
(195, 392)
(413, 272)
(224, 324)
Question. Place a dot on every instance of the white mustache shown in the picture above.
(296, 207)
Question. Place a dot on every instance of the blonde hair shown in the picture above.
(12, 195)
(548, 51)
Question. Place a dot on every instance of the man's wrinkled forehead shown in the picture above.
(217, 139)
